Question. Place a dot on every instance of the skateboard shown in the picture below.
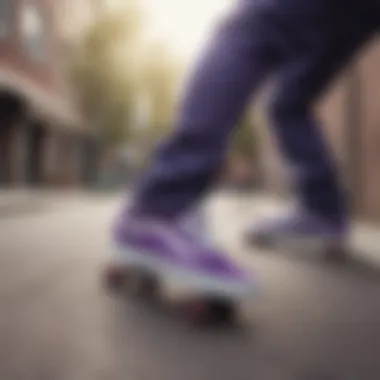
(195, 308)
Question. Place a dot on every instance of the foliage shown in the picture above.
(114, 69)
(160, 82)
(103, 76)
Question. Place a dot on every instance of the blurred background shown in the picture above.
(87, 89)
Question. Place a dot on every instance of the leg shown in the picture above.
(237, 60)
(300, 138)
(300, 83)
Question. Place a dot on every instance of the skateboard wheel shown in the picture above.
(223, 311)
(336, 254)
(115, 277)
(148, 286)
(207, 312)
(196, 312)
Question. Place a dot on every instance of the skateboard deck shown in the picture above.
(196, 308)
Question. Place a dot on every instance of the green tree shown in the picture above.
(160, 78)
(103, 72)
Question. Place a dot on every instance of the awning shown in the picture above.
(43, 103)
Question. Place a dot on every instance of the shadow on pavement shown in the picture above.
(354, 263)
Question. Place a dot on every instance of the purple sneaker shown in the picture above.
(300, 227)
(179, 257)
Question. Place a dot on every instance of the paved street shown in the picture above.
(313, 322)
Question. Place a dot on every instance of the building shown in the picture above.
(43, 141)
(350, 112)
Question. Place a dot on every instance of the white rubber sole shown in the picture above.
(179, 280)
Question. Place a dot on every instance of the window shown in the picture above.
(33, 30)
(5, 18)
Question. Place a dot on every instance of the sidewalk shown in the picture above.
(13, 201)
(19, 201)
(240, 209)
(365, 238)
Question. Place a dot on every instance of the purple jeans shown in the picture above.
(301, 44)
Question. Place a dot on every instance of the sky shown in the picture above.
(183, 24)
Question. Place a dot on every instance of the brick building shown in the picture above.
(43, 140)
(350, 112)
